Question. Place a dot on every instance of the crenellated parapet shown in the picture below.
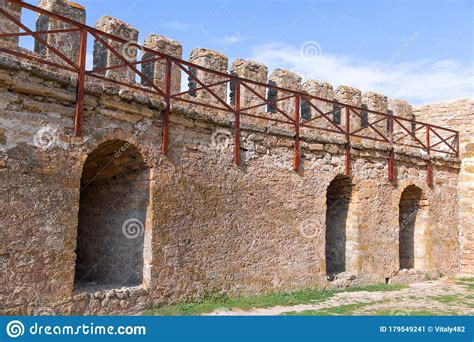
(66, 42)
(267, 96)
(283, 79)
(104, 57)
(7, 26)
(379, 103)
(319, 89)
(254, 71)
(212, 60)
(351, 96)
(403, 110)
(156, 70)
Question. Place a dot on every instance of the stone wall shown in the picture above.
(459, 115)
(204, 224)
(210, 226)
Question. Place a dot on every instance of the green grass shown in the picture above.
(404, 312)
(468, 282)
(213, 301)
(466, 300)
(446, 299)
(341, 310)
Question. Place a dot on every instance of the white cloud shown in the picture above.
(419, 82)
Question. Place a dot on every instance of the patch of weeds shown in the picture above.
(342, 310)
(446, 298)
(210, 302)
(468, 282)
(213, 300)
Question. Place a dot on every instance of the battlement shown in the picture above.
(245, 93)
(203, 174)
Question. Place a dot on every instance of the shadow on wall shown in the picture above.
(338, 199)
(413, 228)
(113, 204)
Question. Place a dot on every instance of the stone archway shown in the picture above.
(413, 221)
(341, 227)
(112, 213)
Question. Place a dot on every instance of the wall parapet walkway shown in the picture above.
(116, 54)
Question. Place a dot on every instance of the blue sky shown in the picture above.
(421, 51)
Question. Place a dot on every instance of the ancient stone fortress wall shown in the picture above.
(105, 223)
(460, 115)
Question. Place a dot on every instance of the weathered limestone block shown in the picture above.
(156, 71)
(285, 79)
(212, 60)
(352, 96)
(378, 103)
(66, 43)
(255, 72)
(103, 57)
(7, 26)
(323, 90)
(402, 109)
(458, 115)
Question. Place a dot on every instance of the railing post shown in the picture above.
(237, 124)
(348, 143)
(79, 114)
(458, 146)
(429, 168)
(391, 158)
(166, 114)
(296, 148)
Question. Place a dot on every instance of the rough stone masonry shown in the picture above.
(106, 224)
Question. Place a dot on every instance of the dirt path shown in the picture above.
(444, 296)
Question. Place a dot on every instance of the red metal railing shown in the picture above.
(426, 137)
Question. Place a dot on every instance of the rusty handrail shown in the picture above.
(294, 118)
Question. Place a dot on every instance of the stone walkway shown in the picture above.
(444, 296)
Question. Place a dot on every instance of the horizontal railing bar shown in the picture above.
(37, 59)
(269, 119)
(25, 34)
(201, 104)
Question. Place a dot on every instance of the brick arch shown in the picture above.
(113, 207)
(412, 206)
(342, 233)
